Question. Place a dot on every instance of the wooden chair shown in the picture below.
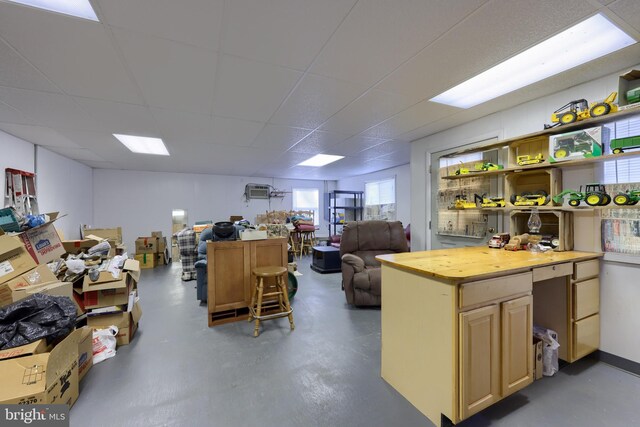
(276, 298)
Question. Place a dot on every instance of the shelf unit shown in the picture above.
(344, 206)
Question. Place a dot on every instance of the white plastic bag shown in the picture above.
(550, 347)
(104, 343)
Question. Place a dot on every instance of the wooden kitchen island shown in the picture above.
(457, 323)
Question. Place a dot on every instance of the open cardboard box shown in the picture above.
(43, 241)
(127, 323)
(14, 258)
(16, 289)
(43, 378)
(113, 292)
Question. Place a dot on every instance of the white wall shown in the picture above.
(403, 188)
(16, 154)
(620, 318)
(65, 186)
(142, 202)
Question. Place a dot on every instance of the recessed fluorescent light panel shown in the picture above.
(143, 144)
(584, 42)
(320, 160)
(78, 8)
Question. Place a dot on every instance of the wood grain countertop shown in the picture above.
(463, 264)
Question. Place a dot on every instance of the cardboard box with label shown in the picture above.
(35, 347)
(16, 289)
(14, 258)
(78, 246)
(146, 245)
(43, 241)
(126, 322)
(146, 260)
(42, 378)
(105, 292)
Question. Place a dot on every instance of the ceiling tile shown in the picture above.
(288, 33)
(276, 137)
(184, 126)
(372, 108)
(195, 22)
(495, 32)
(99, 165)
(236, 132)
(38, 135)
(49, 109)
(319, 142)
(250, 90)
(16, 72)
(629, 10)
(9, 114)
(354, 145)
(379, 35)
(77, 153)
(76, 54)
(383, 149)
(170, 74)
(117, 117)
(314, 100)
(410, 119)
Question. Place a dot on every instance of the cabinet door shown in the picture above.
(517, 354)
(479, 359)
(228, 274)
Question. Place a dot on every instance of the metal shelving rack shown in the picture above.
(346, 204)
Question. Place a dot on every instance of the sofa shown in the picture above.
(361, 242)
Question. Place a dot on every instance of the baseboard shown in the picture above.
(617, 361)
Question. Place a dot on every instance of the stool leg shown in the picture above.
(253, 301)
(256, 330)
(285, 295)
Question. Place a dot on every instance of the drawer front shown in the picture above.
(473, 293)
(558, 270)
(586, 336)
(586, 269)
(586, 298)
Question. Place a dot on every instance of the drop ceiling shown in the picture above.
(254, 87)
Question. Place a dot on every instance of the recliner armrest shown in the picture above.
(354, 261)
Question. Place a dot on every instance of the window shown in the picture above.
(446, 162)
(380, 200)
(307, 199)
(624, 170)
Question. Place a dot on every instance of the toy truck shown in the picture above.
(461, 202)
(593, 195)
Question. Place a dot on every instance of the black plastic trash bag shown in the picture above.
(35, 317)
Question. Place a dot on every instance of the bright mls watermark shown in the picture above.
(34, 415)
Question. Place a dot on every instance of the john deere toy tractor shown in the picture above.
(580, 110)
(539, 198)
(461, 202)
(488, 166)
(489, 202)
(630, 197)
(593, 195)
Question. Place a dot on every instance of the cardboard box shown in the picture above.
(146, 245)
(30, 349)
(628, 82)
(114, 234)
(78, 246)
(85, 351)
(16, 289)
(146, 260)
(250, 234)
(42, 378)
(161, 259)
(579, 144)
(14, 258)
(162, 244)
(43, 242)
(537, 358)
(127, 323)
(107, 292)
(157, 234)
(59, 289)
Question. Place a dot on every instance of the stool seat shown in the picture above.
(271, 271)
(278, 290)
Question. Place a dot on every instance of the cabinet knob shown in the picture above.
(553, 268)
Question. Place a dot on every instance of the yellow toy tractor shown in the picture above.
(580, 110)
(461, 202)
(489, 202)
(529, 160)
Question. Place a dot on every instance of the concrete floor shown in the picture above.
(179, 372)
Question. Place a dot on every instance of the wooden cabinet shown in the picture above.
(229, 280)
(585, 317)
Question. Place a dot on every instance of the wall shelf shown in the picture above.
(345, 203)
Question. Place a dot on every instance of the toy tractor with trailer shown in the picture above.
(539, 198)
(593, 195)
(580, 110)
(618, 144)
(630, 197)
(461, 202)
(529, 160)
(489, 202)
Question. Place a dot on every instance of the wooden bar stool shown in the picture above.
(280, 304)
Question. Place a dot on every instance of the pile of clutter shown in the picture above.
(64, 305)
(152, 251)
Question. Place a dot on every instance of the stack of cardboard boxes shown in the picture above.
(152, 251)
(42, 372)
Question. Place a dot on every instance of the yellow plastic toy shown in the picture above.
(528, 160)
(580, 110)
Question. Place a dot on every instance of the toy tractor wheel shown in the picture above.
(617, 151)
(560, 154)
(606, 199)
(574, 202)
(633, 202)
(593, 199)
(513, 199)
(542, 193)
(568, 117)
(621, 199)
(600, 109)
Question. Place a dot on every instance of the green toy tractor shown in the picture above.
(630, 197)
(593, 195)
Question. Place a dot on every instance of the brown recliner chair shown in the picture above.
(361, 242)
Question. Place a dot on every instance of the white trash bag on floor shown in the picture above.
(550, 347)
(104, 343)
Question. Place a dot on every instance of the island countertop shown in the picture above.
(461, 264)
